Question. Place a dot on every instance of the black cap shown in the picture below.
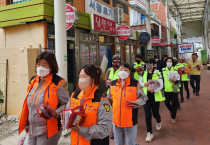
(150, 60)
(195, 54)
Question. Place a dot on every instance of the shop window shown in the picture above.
(101, 39)
(84, 35)
(84, 54)
(118, 50)
(102, 51)
(106, 1)
(93, 52)
(9, 2)
(91, 37)
(109, 39)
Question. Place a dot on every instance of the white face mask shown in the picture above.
(123, 74)
(84, 83)
(156, 60)
(169, 64)
(42, 72)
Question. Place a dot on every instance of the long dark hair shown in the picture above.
(92, 71)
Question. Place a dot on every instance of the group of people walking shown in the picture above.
(128, 88)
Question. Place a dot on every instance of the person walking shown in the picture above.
(136, 67)
(98, 122)
(185, 70)
(45, 87)
(169, 87)
(158, 63)
(195, 73)
(163, 59)
(154, 97)
(112, 72)
(123, 94)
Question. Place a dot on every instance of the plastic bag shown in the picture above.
(183, 68)
(153, 84)
(141, 94)
(46, 111)
(21, 141)
(72, 115)
(172, 75)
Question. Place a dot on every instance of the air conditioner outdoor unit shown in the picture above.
(118, 15)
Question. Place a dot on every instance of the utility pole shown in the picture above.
(148, 24)
(168, 28)
(60, 36)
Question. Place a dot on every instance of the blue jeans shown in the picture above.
(127, 134)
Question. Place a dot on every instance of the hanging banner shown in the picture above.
(70, 16)
(185, 48)
(96, 7)
(123, 32)
(103, 24)
(155, 41)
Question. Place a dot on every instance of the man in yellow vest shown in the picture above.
(138, 64)
(184, 68)
(112, 72)
(195, 73)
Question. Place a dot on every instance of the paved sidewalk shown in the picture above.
(192, 127)
(193, 120)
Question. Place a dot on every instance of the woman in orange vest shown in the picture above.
(98, 122)
(46, 87)
(125, 102)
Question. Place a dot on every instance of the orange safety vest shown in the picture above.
(124, 116)
(50, 96)
(91, 105)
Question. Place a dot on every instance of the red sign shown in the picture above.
(155, 41)
(123, 32)
(70, 16)
(103, 24)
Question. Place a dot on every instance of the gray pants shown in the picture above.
(42, 140)
(125, 135)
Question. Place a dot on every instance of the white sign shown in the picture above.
(185, 48)
(70, 16)
(193, 40)
(93, 6)
(104, 63)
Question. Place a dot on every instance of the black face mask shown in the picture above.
(138, 61)
(165, 55)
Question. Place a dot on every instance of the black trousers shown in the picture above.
(151, 108)
(195, 79)
(186, 89)
(171, 103)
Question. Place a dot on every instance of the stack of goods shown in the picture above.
(153, 84)
(46, 111)
(72, 115)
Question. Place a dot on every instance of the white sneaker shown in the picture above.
(149, 137)
(158, 126)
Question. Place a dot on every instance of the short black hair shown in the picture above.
(139, 56)
(173, 62)
(156, 56)
(51, 60)
(126, 65)
(151, 61)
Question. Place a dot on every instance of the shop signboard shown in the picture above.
(150, 54)
(103, 24)
(185, 48)
(155, 41)
(93, 6)
(70, 16)
(123, 32)
(19, 1)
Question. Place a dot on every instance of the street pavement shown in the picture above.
(193, 120)
(192, 127)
